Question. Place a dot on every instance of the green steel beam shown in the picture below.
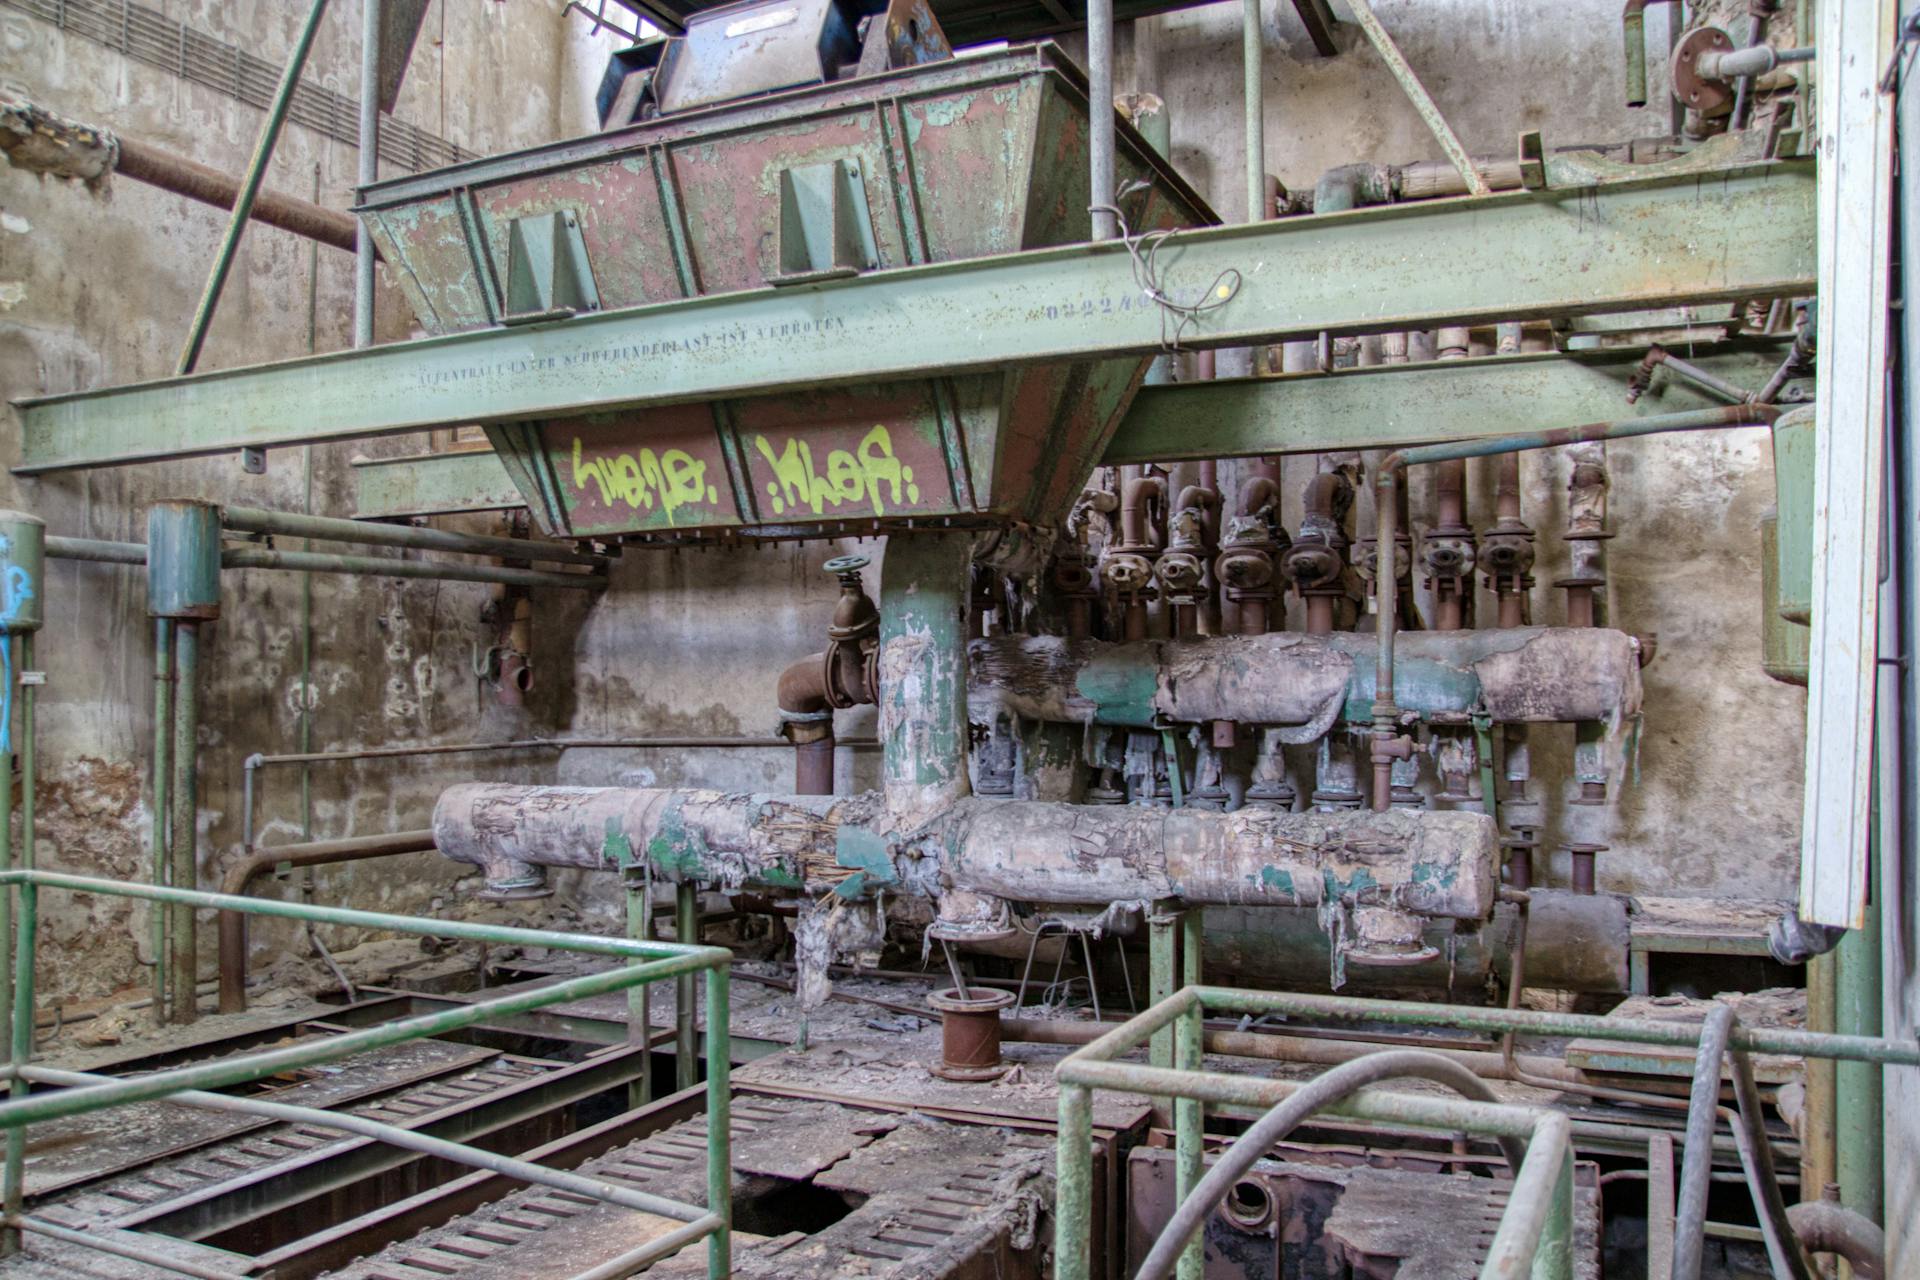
(1625, 244)
(1384, 406)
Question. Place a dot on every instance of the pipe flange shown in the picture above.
(1392, 955)
(1709, 97)
(524, 888)
(969, 1034)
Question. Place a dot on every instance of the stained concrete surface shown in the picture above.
(692, 642)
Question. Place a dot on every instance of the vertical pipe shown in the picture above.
(21, 1050)
(640, 998)
(162, 787)
(1253, 103)
(1073, 1196)
(719, 1123)
(923, 661)
(1189, 1114)
(184, 814)
(1106, 225)
(369, 172)
(1163, 919)
(686, 930)
(1858, 1131)
(1387, 606)
(1816, 1145)
(250, 188)
(11, 1180)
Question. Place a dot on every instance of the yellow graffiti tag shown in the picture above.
(870, 473)
(673, 479)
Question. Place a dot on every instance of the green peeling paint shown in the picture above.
(867, 855)
(1439, 877)
(678, 850)
(618, 849)
(1420, 685)
(1277, 878)
(1333, 888)
(1120, 687)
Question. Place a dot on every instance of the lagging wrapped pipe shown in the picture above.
(979, 848)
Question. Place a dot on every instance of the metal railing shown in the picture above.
(647, 962)
(1535, 1236)
(1535, 1233)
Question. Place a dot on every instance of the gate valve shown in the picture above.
(1506, 551)
(1316, 559)
(1126, 571)
(1447, 552)
(1180, 568)
(853, 649)
(1246, 554)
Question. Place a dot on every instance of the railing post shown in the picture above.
(640, 998)
(162, 786)
(686, 931)
(1073, 1182)
(1189, 1114)
(1553, 1260)
(719, 1123)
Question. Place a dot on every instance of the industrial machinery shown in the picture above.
(1217, 624)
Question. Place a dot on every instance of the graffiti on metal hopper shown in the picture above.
(671, 479)
(869, 473)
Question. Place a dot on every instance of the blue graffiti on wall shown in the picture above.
(16, 589)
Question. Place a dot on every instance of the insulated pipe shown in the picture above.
(1437, 864)
(1386, 500)
(241, 874)
(1315, 1096)
(1542, 675)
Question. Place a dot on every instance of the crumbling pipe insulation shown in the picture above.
(1435, 864)
(1306, 683)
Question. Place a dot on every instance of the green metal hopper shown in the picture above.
(958, 159)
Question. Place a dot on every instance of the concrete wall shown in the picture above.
(95, 290)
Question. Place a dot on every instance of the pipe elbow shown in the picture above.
(806, 715)
(1257, 493)
(1825, 1227)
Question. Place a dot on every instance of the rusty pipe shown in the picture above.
(1135, 497)
(240, 876)
(806, 718)
(40, 141)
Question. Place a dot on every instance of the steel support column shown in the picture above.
(1518, 255)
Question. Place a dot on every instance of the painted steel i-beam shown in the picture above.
(1626, 244)
(1384, 406)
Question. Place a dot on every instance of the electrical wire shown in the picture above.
(1143, 250)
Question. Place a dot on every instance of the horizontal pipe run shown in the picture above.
(108, 1244)
(333, 529)
(1734, 415)
(1887, 1052)
(378, 567)
(242, 873)
(135, 553)
(396, 1136)
(718, 742)
(96, 551)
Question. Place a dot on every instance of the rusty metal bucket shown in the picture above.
(958, 159)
